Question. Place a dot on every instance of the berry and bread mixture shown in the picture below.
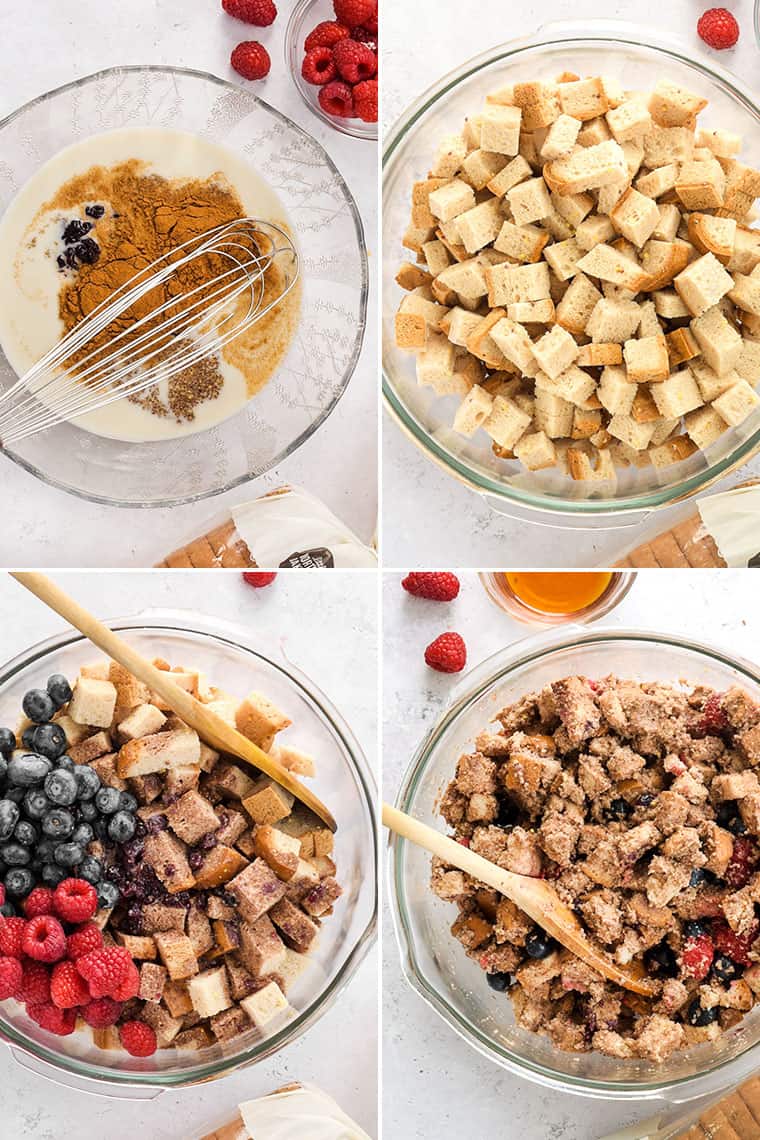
(640, 801)
(152, 889)
(586, 279)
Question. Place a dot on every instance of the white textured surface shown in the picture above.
(332, 635)
(54, 41)
(429, 518)
(433, 1082)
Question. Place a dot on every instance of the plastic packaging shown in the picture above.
(297, 1112)
(735, 1114)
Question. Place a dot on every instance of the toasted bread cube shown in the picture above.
(411, 276)
(677, 395)
(500, 129)
(564, 258)
(191, 817)
(536, 452)
(553, 415)
(296, 760)
(166, 1027)
(629, 121)
(257, 889)
(539, 103)
(516, 171)
(561, 139)
(575, 309)
(506, 422)
(296, 928)
(267, 1007)
(748, 364)
(436, 255)
(529, 201)
(480, 167)
(166, 855)
(209, 992)
(261, 951)
(91, 748)
(199, 931)
(279, 850)
(720, 342)
(593, 132)
(673, 106)
(701, 185)
(555, 351)
(659, 181)
(646, 360)
(711, 385)
(704, 426)
(713, 235)
(93, 702)
(746, 293)
(241, 980)
(145, 720)
(157, 917)
(451, 153)
(97, 670)
(635, 216)
(669, 222)
(411, 331)
(584, 99)
(226, 1026)
(480, 225)
(269, 803)
(616, 392)
(321, 897)
(436, 367)
(669, 305)
(609, 264)
(587, 169)
(574, 385)
(645, 411)
(177, 954)
(637, 435)
(737, 403)
(473, 411)
(596, 230)
(674, 450)
(682, 347)
(74, 733)
(599, 355)
(158, 752)
(258, 718)
(153, 978)
(596, 467)
(194, 1039)
(613, 322)
(449, 201)
(532, 312)
(523, 243)
(703, 283)
(723, 144)
(515, 344)
(666, 145)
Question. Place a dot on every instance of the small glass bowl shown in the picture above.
(502, 595)
(303, 19)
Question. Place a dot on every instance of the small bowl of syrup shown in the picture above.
(556, 597)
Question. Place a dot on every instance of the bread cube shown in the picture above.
(506, 422)
(257, 889)
(231, 781)
(258, 718)
(609, 264)
(575, 309)
(574, 385)
(562, 137)
(555, 351)
(166, 1027)
(450, 200)
(145, 720)
(613, 322)
(93, 702)
(629, 121)
(737, 403)
(516, 171)
(553, 415)
(226, 1026)
(177, 954)
(532, 312)
(473, 411)
(269, 803)
(500, 129)
(296, 928)
(280, 851)
(91, 748)
(637, 435)
(703, 283)
(153, 978)
(635, 216)
(659, 181)
(321, 897)
(156, 753)
(646, 360)
(564, 258)
(451, 153)
(704, 426)
(723, 144)
(261, 951)
(599, 355)
(666, 145)
(616, 392)
(597, 467)
(191, 817)
(219, 865)
(411, 331)
(157, 917)
(587, 169)
(674, 106)
(523, 243)
(166, 855)
(267, 1007)
(682, 347)
(677, 395)
(536, 451)
(539, 103)
(209, 992)
(480, 225)
(596, 230)
(720, 342)
(584, 99)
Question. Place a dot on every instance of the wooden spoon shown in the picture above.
(536, 897)
(215, 731)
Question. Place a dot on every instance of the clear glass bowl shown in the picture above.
(328, 230)
(343, 781)
(592, 48)
(304, 18)
(435, 963)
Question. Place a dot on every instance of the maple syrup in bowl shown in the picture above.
(555, 597)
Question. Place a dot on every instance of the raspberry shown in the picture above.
(719, 29)
(371, 24)
(75, 900)
(352, 13)
(102, 1012)
(138, 1039)
(336, 99)
(447, 654)
(743, 859)
(262, 13)
(34, 987)
(439, 586)
(12, 936)
(697, 956)
(68, 989)
(365, 105)
(105, 970)
(326, 34)
(251, 60)
(130, 986)
(62, 1022)
(259, 580)
(714, 720)
(82, 940)
(38, 901)
(318, 67)
(735, 946)
(10, 977)
(44, 939)
(354, 61)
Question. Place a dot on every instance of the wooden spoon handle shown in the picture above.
(215, 731)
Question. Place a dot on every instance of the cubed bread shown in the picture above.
(677, 395)
(555, 351)
(92, 702)
(191, 817)
(500, 129)
(280, 851)
(703, 283)
(257, 889)
(159, 751)
(737, 403)
(269, 802)
(258, 718)
(719, 341)
(646, 360)
(267, 1007)
(473, 411)
(219, 865)
(177, 954)
(144, 720)
(209, 992)
(261, 951)
(296, 928)
(166, 854)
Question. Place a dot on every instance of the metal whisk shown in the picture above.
(78, 376)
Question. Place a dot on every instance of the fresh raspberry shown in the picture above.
(371, 24)
(38, 901)
(68, 989)
(83, 940)
(62, 1022)
(130, 986)
(697, 956)
(251, 60)
(318, 67)
(262, 13)
(34, 987)
(336, 99)
(44, 939)
(138, 1038)
(354, 61)
(10, 977)
(447, 654)
(365, 105)
(102, 1012)
(719, 29)
(259, 580)
(352, 13)
(105, 970)
(366, 37)
(735, 946)
(437, 586)
(713, 720)
(75, 900)
(12, 936)
(743, 860)
(326, 34)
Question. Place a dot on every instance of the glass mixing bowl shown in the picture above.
(343, 781)
(334, 280)
(435, 963)
(592, 48)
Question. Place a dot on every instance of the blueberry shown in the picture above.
(737, 826)
(45, 848)
(7, 741)
(619, 809)
(88, 251)
(38, 706)
(15, 855)
(3, 768)
(647, 799)
(68, 854)
(87, 811)
(661, 960)
(58, 687)
(58, 823)
(127, 802)
(107, 800)
(121, 827)
(36, 803)
(66, 763)
(9, 817)
(725, 813)
(699, 1017)
(75, 230)
(61, 787)
(82, 834)
(108, 894)
(53, 875)
(538, 944)
(90, 869)
(507, 815)
(499, 982)
(27, 737)
(694, 929)
(95, 211)
(15, 794)
(8, 910)
(49, 740)
(25, 833)
(28, 769)
(698, 876)
(726, 969)
(88, 782)
(19, 882)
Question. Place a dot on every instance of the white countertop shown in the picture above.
(332, 636)
(450, 524)
(51, 42)
(435, 1084)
